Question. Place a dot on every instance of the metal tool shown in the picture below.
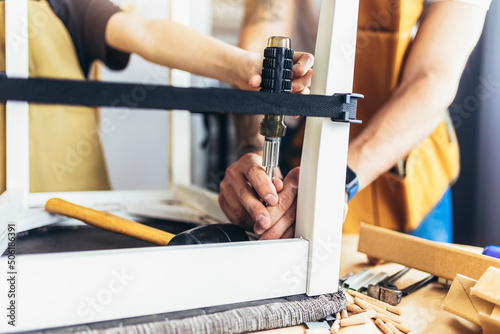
(344, 278)
(388, 292)
(354, 278)
(361, 280)
(277, 78)
(374, 280)
(215, 233)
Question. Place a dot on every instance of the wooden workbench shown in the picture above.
(421, 311)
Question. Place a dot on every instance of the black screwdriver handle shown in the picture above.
(277, 70)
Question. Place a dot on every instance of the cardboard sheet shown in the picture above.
(462, 302)
(458, 300)
(488, 286)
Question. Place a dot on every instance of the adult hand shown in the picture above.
(284, 212)
(242, 189)
(248, 68)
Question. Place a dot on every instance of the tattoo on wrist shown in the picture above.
(257, 11)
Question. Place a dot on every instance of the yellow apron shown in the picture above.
(65, 146)
(397, 202)
(393, 201)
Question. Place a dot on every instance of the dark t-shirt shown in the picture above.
(86, 22)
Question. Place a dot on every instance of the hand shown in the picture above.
(242, 189)
(248, 69)
(302, 72)
(284, 212)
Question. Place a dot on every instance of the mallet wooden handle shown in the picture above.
(108, 221)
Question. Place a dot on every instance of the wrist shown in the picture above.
(234, 64)
(246, 65)
(250, 149)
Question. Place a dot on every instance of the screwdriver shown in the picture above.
(276, 78)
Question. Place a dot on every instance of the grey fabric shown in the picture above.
(243, 320)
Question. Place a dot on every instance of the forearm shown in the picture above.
(194, 52)
(177, 46)
(410, 115)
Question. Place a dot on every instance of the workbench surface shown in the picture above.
(421, 311)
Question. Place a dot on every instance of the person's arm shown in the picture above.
(448, 33)
(446, 37)
(262, 19)
(177, 46)
(246, 181)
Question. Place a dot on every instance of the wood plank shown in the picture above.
(435, 258)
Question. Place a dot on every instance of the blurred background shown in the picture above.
(139, 141)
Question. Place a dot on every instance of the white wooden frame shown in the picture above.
(320, 203)
(73, 288)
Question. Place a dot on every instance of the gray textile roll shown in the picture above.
(243, 320)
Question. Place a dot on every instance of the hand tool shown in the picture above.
(361, 280)
(344, 278)
(277, 78)
(373, 281)
(214, 233)
(388, 292)
(355, 278)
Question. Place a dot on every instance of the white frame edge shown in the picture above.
(320, 203)
(17, 113)
(180, 121)
(106, 285)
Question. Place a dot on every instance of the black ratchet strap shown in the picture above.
(339, 107)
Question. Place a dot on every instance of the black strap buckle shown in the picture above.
(349, 108)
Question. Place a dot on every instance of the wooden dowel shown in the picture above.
(393, 328)
(349, 298)
(386, 318)
(388, 307)
(344, 314)
(336, 324)
(364, 305)
(383, 326)
(354, 308)
(352, 321)
(398, 325)
(376, 308)
(108, 221)
(367, 314)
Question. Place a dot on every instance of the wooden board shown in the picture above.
(435, 258)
